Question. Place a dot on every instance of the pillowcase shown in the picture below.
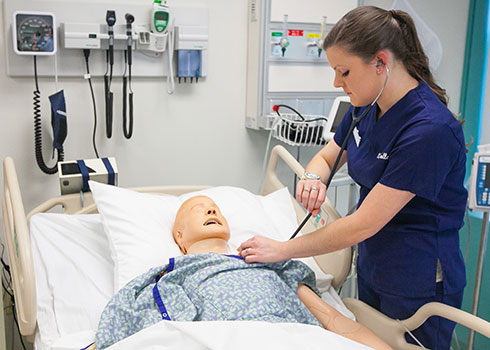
(139, 225)
(74, 274)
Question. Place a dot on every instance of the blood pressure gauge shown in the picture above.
(34, 33)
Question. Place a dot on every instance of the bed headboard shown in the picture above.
(19, 246)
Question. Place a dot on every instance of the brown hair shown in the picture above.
(366, 30)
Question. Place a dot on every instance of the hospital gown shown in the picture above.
(207, 287)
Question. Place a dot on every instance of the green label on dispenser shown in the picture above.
(276, 33)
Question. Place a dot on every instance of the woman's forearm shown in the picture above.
(377, 209)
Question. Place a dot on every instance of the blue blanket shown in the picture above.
(207, 287)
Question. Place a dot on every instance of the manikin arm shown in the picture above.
(334, 321)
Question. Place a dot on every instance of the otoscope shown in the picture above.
(355, 121)
(128, 132)
(109, 95)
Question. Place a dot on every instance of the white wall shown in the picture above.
(197, 135)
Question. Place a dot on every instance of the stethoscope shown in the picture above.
(355, 121)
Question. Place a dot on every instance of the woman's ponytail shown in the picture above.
(366, 30)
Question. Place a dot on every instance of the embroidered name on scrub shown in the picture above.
(383, 156)
(357, 137)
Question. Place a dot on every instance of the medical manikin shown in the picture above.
(209, 284)
(201, 228)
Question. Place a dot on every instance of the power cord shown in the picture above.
(292, 129)
(38, 148)
(7, 286)
(86, 53)
(411, 334)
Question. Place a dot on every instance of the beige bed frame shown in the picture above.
(16, 226)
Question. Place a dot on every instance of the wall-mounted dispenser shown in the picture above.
(191, 44)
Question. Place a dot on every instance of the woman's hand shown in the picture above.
(311, 194)
(263, 250)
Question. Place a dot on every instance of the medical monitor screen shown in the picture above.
(343, 108)
(161, 16)
(34, 33)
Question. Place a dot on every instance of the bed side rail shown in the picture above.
(451, 313)
(336, 263)
(393, 331)
(19, 250)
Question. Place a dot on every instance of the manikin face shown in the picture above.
(199, 218)
(358, 79)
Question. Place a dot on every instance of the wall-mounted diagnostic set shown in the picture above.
(114, 41)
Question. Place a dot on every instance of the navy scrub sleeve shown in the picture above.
(417, 146)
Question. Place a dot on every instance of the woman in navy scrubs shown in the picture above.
(408, 157)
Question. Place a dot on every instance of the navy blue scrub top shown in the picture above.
(416, 146)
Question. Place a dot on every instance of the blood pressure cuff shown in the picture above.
(58, 119)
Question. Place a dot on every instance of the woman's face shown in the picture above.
(357, 78)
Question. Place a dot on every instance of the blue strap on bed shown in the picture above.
(85, 175)
(110, 171)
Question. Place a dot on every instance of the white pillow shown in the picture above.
(139, 225)
(74, 274)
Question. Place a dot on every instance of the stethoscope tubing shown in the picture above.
(355, 121)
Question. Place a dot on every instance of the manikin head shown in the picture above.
(200, 227)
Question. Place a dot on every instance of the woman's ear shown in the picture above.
(380, 60)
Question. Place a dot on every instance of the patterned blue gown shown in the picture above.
(207, 287)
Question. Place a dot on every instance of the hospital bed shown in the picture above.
(18, 240)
